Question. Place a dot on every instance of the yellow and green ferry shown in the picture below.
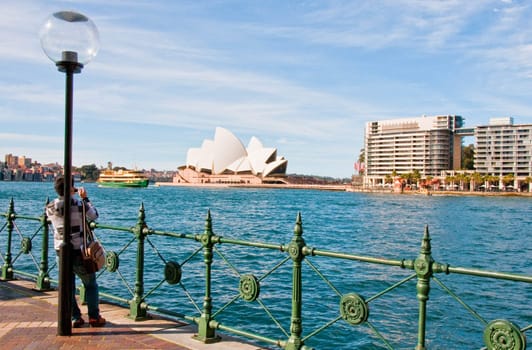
(123, 178)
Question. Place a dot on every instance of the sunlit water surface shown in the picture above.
(492, 233)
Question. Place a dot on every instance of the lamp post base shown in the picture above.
(64, 310)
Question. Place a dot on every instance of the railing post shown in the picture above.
(206, 333)
(136, 310)
(423, 267)
(7, 268)
(295, 249)
(43, 279)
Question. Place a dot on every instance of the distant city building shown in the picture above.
(11, 161)
(428, 144)
(503, 148)
(226, 160)
(24, 162)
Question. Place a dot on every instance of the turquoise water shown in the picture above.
(492, 233)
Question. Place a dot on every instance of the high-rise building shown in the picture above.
(11, 161)
(427, 144)
(24, 162)
(503, 148)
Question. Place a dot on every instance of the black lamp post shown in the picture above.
(71, 40)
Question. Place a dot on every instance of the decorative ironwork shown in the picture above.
(172, 272)
(504, 335)
(354, 309)
(294, 250)
(112, 261)
(249, 288)
(25, 245)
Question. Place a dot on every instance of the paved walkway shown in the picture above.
(29, 321)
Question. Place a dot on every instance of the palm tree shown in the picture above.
(490, 179)
(416, 176)
(486, 181)
(407, 179)
(427, 181)
(528, 180)
(449, 180)
(476, 179)
(464, 180)
(508, 179)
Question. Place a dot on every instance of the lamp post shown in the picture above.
(70, 40)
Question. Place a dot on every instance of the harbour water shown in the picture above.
(491, 233)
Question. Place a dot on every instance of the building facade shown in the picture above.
(503, 148)
(427, 144)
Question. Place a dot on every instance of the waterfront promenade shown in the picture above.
(29, 321)
(348, 188)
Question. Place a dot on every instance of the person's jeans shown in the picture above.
(90, 284)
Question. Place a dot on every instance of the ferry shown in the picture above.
(123, 178)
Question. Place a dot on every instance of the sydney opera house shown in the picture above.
(225, 160)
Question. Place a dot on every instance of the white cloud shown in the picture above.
(304, 74)
(29, 138)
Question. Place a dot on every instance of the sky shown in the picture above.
(302, 76)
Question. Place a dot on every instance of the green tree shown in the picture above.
(407, 177)
(362, 155)
(361, 160)
(476, 180)
(508, 179)
(416, 176)
(463, 179)
(427, 182)
(449, 180)
(89, 172)
(528, 181)
(490, 180)
(468, 156)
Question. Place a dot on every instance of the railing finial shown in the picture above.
(298, 228)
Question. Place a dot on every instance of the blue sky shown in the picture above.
(302, 76)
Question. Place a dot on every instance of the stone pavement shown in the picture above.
(29, 321)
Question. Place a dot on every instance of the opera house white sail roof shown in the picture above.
(227, 155)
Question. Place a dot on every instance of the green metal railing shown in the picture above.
(199, 271)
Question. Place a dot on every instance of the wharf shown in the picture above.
(347, 188)
(29, 321)
(340, 188)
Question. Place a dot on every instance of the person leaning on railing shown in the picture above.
(55, 211)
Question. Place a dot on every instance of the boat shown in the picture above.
(123, 178)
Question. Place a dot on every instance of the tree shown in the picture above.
(416, 176)
(89, 172)
(463, 179)
(476, 180)
(489, 180)
(359, 166)
(508, 179)
(449, 180)
(528, 181)
(468, 156)
(427, 182)
(407, 177)
(362, 155)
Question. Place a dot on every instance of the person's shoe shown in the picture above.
(78, 323)
(97, 322)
